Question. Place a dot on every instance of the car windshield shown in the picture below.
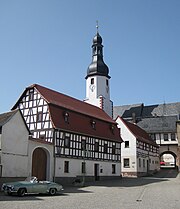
(31, 179)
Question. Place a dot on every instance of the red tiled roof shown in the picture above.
(139, 133)
(80, 115)
(62, 100)
(80, 123)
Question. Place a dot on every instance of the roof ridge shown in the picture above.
(55, 101)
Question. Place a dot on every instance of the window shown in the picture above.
(107, 83)
(113, 168)
(42, 136)
(93, 124)
(165, 137)
(126, 163)
(173, 137)
(67, 142)
(144, 163)
(66, 166)
(0, 129)
(92, 80)
(105, 148)
(66, 117)
(140, 162)
(31, 94)
(126, 144)
(112, 128)
(39, 116)
(114, 149)
(153, 136)
(83, 167)
(96, 147)
(83, 144)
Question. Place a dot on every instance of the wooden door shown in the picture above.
(96, 171)
(39, 162)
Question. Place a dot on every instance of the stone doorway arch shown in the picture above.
(169, 163)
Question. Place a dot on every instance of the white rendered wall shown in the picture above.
(75, 168)
(98, 94)
(130, 152)
(14, 143)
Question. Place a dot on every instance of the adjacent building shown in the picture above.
(159, 121)
(139, 153)
(14, 136)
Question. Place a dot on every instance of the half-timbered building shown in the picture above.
(139, 153)
(83, 140)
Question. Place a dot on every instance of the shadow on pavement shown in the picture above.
(122, 183)
(162, 175)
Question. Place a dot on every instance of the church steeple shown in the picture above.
(97, 78)
(97, 66)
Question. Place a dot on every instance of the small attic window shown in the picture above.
(66, 117)
(93, 124)
(112, 128)
(31, 94)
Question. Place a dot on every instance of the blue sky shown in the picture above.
(49, 42)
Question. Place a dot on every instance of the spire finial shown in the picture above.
(97, 26)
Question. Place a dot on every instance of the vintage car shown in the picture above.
(31, 185)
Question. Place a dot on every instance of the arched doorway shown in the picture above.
(39, 163)
(168, 159)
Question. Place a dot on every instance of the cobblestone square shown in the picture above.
(157, 192)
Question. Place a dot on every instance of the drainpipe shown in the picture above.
(54, 156)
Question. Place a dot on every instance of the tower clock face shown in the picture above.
(92, 87)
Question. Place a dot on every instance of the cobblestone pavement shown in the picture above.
(159, 192)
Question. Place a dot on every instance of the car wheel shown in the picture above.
(52, 191)
(21, 192)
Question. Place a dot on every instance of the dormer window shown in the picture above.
(112, 128)
(66, 117)
(93, 124)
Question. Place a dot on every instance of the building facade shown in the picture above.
(159, 121)
(139, 153)
(14, 136)
(84, 141)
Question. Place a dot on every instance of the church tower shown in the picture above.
(97, 79)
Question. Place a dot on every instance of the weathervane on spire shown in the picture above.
(97, 26)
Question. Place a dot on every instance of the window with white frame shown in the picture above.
(126, 163)
(173, 137)
(166, 137)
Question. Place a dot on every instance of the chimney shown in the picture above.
(134, 117)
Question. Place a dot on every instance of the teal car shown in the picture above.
(31, 186)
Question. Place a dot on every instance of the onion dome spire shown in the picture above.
(97, 66)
